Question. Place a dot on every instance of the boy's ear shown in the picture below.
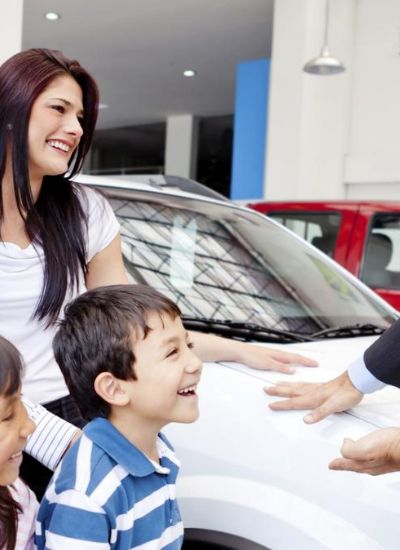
(111, 389)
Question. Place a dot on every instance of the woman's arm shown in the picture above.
(214, 348)
(107, 266)
(52, 436)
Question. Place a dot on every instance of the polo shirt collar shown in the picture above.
(114, 444)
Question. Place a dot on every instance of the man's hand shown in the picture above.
(376, 453)
(337, 395)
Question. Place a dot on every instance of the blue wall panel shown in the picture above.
(249, 139)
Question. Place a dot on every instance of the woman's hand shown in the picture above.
(259, 357)
(214, 348)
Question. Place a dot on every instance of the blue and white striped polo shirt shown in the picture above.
(106, 494)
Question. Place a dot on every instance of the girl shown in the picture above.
(56, 236)
(18, 505)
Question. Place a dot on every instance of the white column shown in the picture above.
(10, 28)
(181, 146)
(372, 168)
(309, 115)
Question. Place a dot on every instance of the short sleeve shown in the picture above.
(103, 226)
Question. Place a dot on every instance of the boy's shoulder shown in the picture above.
(103, 453)
(104, 477)
(85, 466)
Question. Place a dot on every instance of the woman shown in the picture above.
(56, 236)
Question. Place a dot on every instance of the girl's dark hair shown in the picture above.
(56, 221)
(10, 382)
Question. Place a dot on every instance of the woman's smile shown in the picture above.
(55, 120)
(60, 145)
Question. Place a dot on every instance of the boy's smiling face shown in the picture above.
(167, 373)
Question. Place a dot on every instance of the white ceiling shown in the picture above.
(137, 50)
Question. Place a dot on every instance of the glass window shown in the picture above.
(214, 161)
(128, 150)
(221, 262)
(320, 228)
(381, 265)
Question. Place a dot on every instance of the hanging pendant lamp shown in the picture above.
(325, 63)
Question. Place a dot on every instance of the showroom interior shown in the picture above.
(284, 265)
(310, 136)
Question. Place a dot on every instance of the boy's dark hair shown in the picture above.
(96, 336)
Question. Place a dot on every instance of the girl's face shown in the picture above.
(15, 427)
(54, 128)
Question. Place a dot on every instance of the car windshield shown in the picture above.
(222, 262)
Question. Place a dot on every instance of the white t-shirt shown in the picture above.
(21, 280)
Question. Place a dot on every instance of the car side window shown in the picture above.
(381, 264)
(318, 228)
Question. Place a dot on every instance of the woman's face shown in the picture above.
(54, 128)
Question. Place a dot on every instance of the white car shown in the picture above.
(251, 478)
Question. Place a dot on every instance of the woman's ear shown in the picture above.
(111, 389)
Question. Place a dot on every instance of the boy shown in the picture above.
(127, 361)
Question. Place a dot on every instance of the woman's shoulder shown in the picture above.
(87, 194)
(102, 223)
(93, 202)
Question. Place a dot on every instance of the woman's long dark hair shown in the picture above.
(10, 382)
(56, 221)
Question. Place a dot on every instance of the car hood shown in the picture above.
(381, 409)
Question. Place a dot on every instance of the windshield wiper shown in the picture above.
(242, 331)
(345, 331)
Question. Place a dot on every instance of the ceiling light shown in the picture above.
(189, 72)
(103, 106)
(324, 63)
(52, 16)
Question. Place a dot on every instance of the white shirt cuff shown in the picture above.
(362, 379)
(52, 436)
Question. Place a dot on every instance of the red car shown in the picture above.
(364, 237)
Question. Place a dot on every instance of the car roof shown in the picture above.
(153, 182)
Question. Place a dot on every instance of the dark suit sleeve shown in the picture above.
(382, 359)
